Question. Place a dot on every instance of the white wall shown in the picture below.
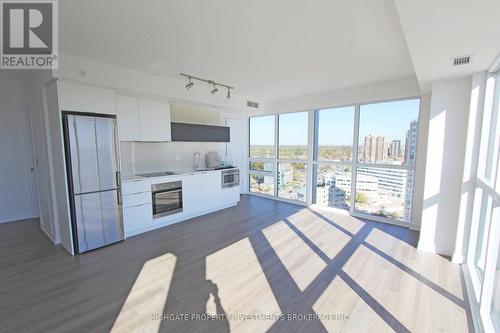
(32, 96)
(445, 159)
(18, 198)
(58, 165)
(40, 93)
(361, 94)
(195, 115)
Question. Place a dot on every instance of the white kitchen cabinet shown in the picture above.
(230, 196)
(86, 98)
(211, 190)
(154, 120)
(137, 219)
(127, 116)
(142, 119)
(192, 194)
(138, 186)
(131, 200)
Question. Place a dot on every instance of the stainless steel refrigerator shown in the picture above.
(92, 165)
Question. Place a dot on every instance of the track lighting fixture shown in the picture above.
(210, 82)
(190, 84)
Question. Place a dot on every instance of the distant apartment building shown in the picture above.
(331, 196)
(374, 148)
(391, 182)
(395, 149)
(335, 188)
(284, 175)
(411, 144)
(409, 159)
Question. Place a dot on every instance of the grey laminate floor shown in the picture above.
(256, 265)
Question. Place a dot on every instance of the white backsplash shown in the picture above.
(141, 157)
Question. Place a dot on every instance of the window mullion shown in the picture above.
(354, 166)
(276, 153)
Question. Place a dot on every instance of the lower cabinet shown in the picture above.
(137, 218)
(201, 193)
(211, 190)
(230, 195)
(192, 194)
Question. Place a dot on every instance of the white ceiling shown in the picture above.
(437, 30)
(268, 49)
(276, 49)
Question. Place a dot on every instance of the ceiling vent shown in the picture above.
(251, 104)
(462, 60)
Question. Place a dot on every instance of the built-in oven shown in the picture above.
(230, 178)
(167, 198)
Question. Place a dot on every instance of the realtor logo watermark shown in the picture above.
(29, 34)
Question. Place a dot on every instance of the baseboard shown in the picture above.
(433, 248)
(414, 226)
(16, 219)
(51, 237)
(458, 258)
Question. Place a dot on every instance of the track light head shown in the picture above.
(228, 93)
(215, 90)
(189, 85)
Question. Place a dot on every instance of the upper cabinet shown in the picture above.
(85, 98)
(143, 119)
(128, 118)
(154, 120)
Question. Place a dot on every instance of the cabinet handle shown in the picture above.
(139, 205)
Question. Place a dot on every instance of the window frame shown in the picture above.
(480, 286)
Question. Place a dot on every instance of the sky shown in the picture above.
(391, 119)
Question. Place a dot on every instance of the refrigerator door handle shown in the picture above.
(118, 185)
(117, 178)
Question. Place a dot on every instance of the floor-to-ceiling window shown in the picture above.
(333, 152)
(360, 158)
(293, 129)
(262, 155)
(386, 155)
(483, 258)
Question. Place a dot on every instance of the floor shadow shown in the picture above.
(190, 290)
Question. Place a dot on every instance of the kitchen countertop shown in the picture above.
(177, 173)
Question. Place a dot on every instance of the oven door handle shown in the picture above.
(167, 191)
